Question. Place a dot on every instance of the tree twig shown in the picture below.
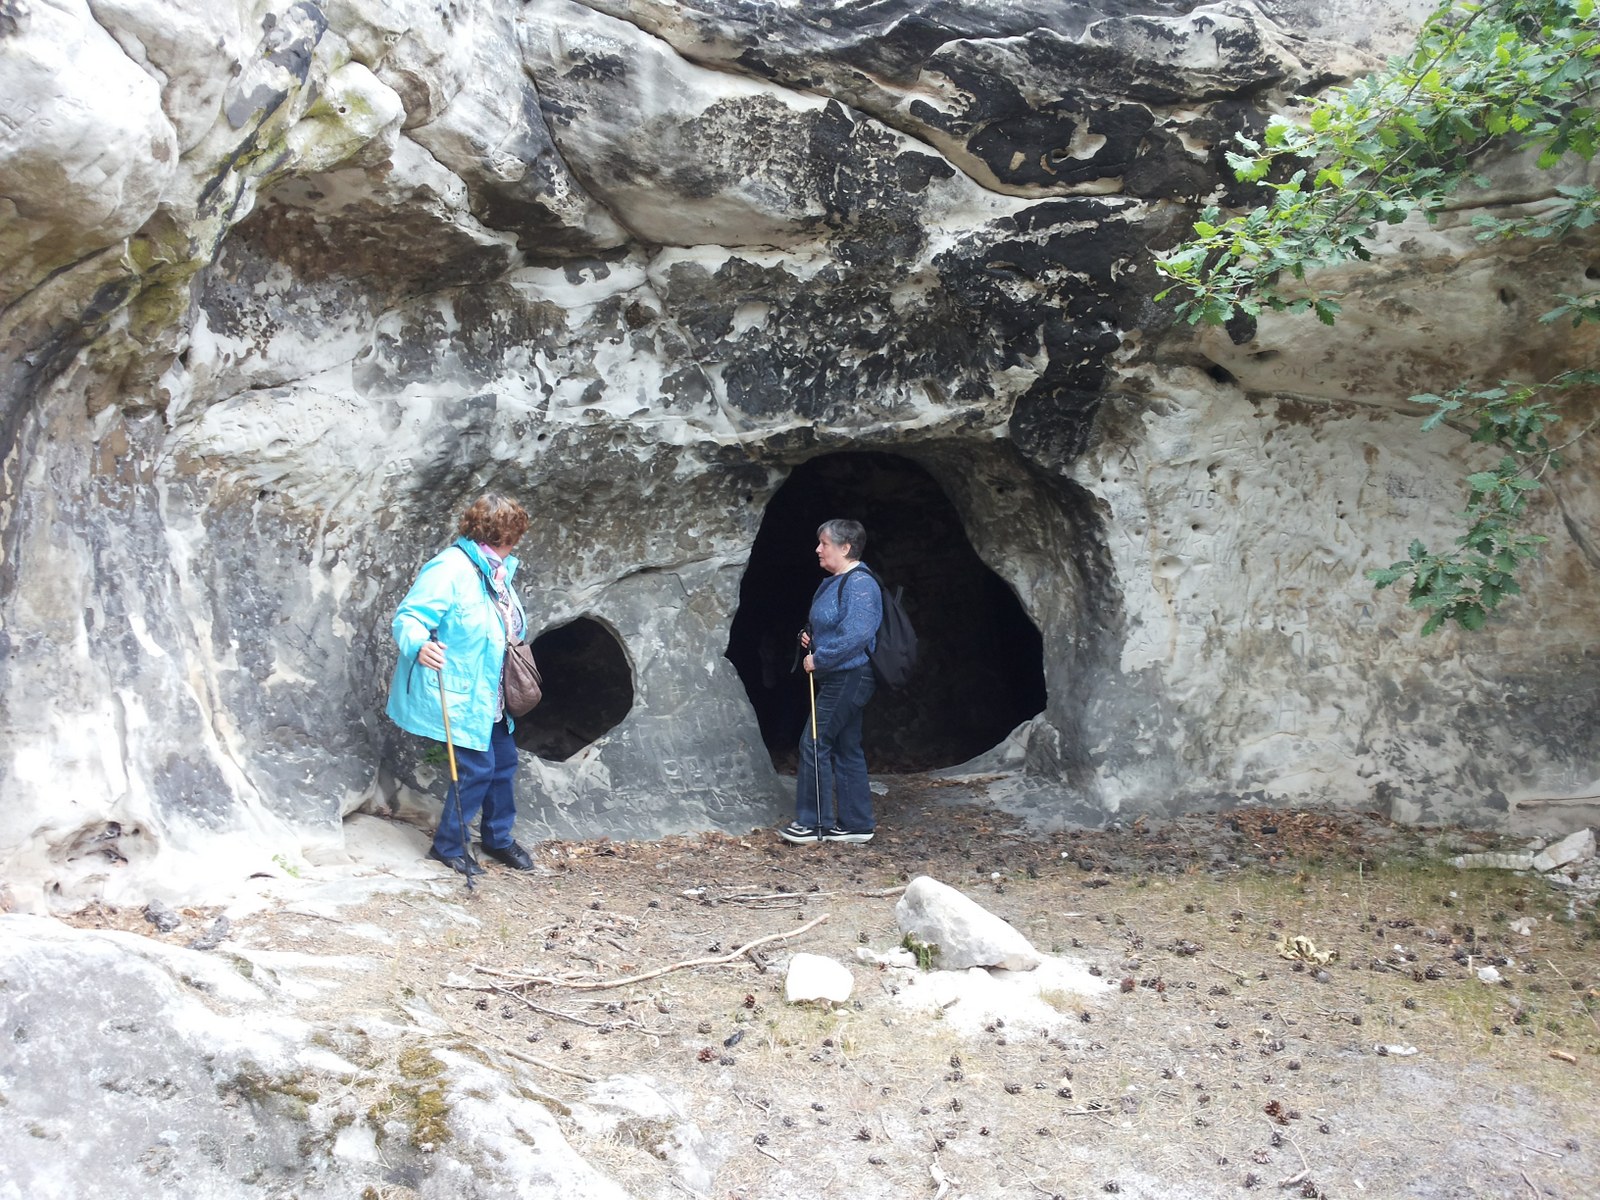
(548, 1066)
(1297, 1150)
(554, 1012)
(1524, 1145)
(596, 985)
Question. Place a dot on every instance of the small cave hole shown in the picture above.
(1591, 272)
(1507, 296)
(981, 666)
(588, 689)
(1221, 374)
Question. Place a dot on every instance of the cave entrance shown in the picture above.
(981, 667)
(588, 690)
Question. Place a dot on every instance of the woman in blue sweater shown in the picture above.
(845, 613)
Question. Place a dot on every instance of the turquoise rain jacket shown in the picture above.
(452, 595)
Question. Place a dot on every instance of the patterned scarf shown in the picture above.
(502, 594)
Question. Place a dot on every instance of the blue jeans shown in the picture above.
(485, 783)
(836, 757)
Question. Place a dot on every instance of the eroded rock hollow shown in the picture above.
(286, 284)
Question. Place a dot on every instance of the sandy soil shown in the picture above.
(1369, 1059)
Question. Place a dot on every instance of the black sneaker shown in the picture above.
(799, 834)
(513, 856)
(465, 864)
(847, 835)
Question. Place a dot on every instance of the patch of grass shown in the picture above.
(418, 1102)
(1062, 1002)
(924, 952)
(285, 1095)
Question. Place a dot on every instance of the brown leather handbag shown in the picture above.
(520, 682)
(520, 679)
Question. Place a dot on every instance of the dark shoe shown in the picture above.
(799, 834)
(465, 865)
(847, 835)
(513, 856)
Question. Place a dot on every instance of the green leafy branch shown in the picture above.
(1469, 583)
(1512, 72)
(1508, 74)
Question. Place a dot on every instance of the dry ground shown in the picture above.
(1215, 1067)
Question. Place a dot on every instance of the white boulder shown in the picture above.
(967, 934)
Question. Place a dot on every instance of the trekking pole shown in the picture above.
(816, 762)
(450, 751)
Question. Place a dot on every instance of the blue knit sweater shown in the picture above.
(845, 613)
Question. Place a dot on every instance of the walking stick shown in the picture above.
(455, 783)
(816, 762)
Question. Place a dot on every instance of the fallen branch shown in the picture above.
(549, 1066)
(1524, 1145)
(719, 960)
(554, 1012)
(795, 899)
(1297, 1150)
(1234, 971)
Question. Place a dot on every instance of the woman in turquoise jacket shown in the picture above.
(453, 625)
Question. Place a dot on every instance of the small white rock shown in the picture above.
(899, 956)
(1575, 847)
(1488, 975)
(813, 977)
(1397, 1051)
(1502, 860)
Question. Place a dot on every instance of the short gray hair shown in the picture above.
(843, 532)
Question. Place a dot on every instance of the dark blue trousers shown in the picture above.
(486, 785)
(836, 757)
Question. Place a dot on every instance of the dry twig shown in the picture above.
(1524, 1145)
(548, 1066)
(719, 960)
(555, 1012)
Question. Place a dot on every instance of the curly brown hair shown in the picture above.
(494, 520)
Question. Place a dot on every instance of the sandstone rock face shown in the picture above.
(135, 1066)
(286, 285)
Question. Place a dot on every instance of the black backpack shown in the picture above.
(894, 658)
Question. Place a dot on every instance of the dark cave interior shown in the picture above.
(980, 671)
(588, 689)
